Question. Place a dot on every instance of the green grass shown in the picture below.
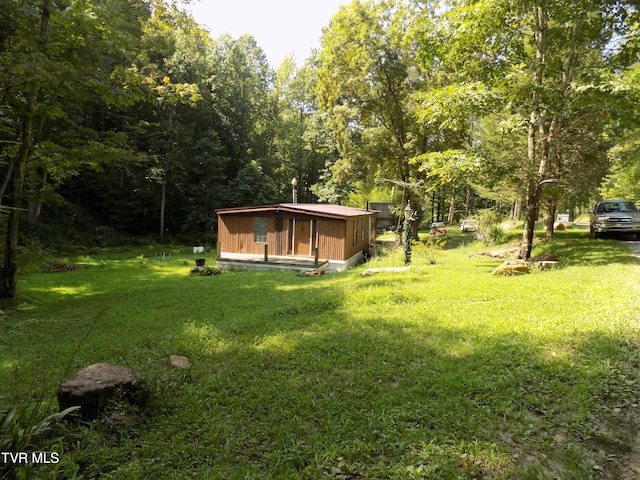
(441, 372)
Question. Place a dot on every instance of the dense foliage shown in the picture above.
(128, 118)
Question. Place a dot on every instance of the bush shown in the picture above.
(496, 234)
(428, 250)
(489, 229)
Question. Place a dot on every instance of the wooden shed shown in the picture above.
(386, 219)
(293, 235)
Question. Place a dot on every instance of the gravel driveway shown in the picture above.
(635, 246)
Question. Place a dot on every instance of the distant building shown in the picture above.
(386, 219)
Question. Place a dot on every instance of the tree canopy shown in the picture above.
(128, 118)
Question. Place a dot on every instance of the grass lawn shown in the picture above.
(442, 372)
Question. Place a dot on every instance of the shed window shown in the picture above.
(260, 225)
(355, 231)
(364, 229)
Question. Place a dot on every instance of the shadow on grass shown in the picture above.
(375, 398)
(578, 248)
(294, 378)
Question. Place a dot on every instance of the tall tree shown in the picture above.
(302, 146)
(239, 82)
(532, 54)
(365, 81)
(35, 55)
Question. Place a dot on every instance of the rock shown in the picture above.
(544, 262)
(549, 257)
(511, 267)
(372, 271)
(544, 265)
(562, 226)
(2, 314)
(124, 419)
(312, 273)
(179, 362)
(507, 252)
(93, 387)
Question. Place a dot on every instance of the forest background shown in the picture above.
(122, 118)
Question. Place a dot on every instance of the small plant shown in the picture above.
(141, 261)
(26, 429)
(496, 234)
(489, 230)
(429, 249)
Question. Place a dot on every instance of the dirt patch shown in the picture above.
(630, 464)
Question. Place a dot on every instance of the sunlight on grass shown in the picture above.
(168, 271)
(9, 365)
(278, 344)
(443, 371)
(85, 290)
(207, 337)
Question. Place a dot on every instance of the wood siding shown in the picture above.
(334, 238)
(235, 235)
(331, 239)
(355, 223)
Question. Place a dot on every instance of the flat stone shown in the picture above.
(372, 271)
(549, 257)
(93, 387)
(511, 267)
(125, 419)
(179, 362)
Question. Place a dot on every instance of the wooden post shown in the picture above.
(316, 256)
(266, 252)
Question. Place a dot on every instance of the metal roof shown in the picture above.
(317, 209)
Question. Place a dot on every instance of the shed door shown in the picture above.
(302, 237)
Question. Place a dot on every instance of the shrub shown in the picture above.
(428, 249)
(496, 234)
(489, 230)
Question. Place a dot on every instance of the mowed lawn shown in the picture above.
(442, 372)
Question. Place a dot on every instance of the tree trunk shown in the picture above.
(530, 217)
(551, 215)
(452, 207)
(536, 125)
(163, 202)
(35, 206)
(8, 273)
(516, 209)
(6, 180)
